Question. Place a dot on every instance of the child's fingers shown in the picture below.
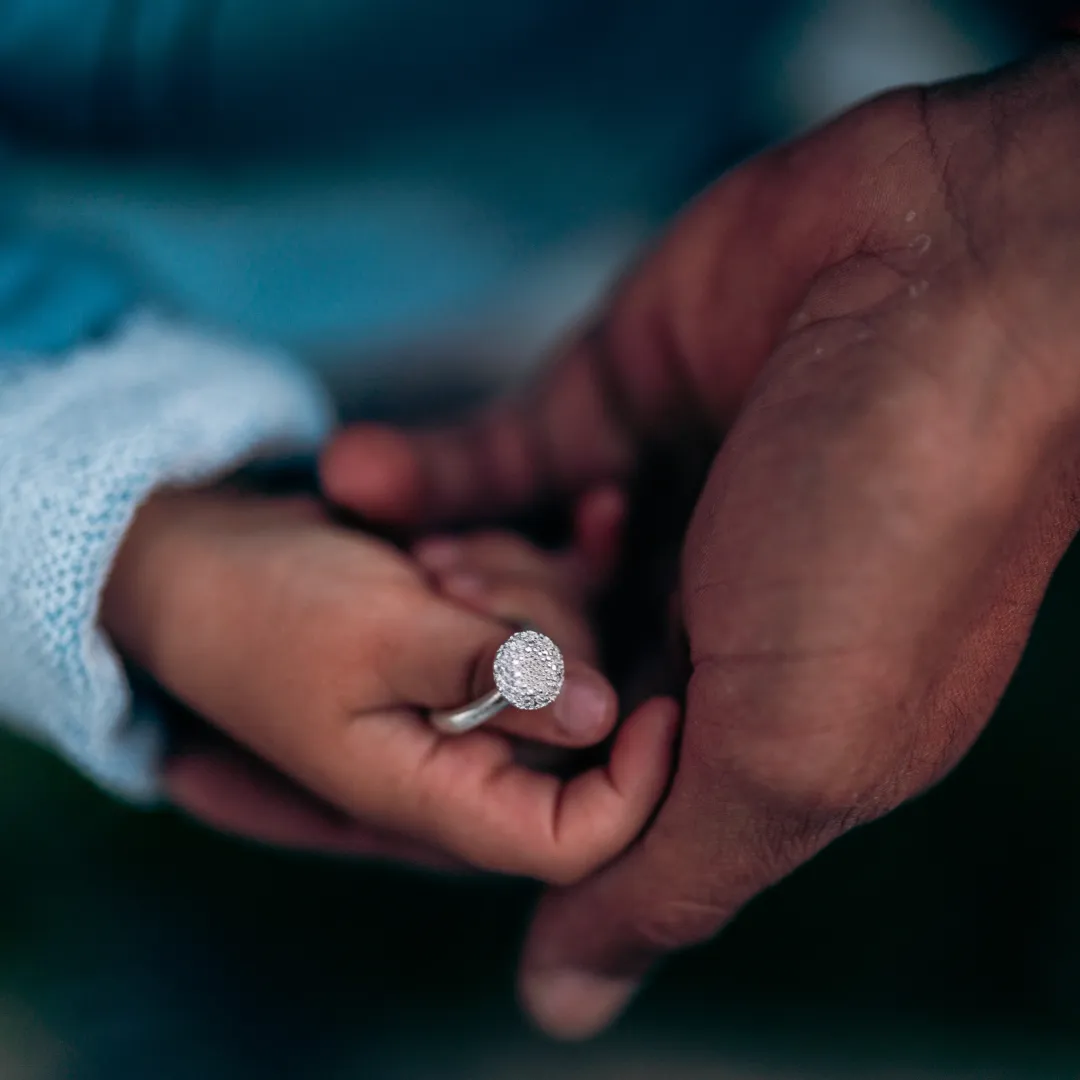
(237, 794)
(448, 662)
(584, 713)
(520, 600)
(497, 556)
(467, 797)
(599, 520)
(502, 574)
(586, 709)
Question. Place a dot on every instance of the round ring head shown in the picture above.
(529, 670)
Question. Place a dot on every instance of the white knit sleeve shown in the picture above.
(84, 437)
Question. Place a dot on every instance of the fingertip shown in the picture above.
(599, 521)
(605, 504)
(375, 471)
(587, 707)
(573, 1005)
(584, 713)
(642, 755)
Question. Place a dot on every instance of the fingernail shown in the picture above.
(581, 709)
(575, 1004)
(465, 585)
(438, 552)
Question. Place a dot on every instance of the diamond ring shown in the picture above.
(528, 672)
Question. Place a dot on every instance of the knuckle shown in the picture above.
(810, 765)
(678, 923)
(498, 544)
(819, 779)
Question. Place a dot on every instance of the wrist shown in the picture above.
(149, 572)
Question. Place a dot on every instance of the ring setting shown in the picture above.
(529, 671)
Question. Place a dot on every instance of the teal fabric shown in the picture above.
(332, 170)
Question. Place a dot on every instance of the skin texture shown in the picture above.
(876, 326)
(318, 650)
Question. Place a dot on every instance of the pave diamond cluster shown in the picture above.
(529, 670)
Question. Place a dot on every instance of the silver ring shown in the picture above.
(528, 673)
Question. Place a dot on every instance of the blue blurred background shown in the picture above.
(417, 193)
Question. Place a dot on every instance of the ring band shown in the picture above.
(458, 721)
(528, 672)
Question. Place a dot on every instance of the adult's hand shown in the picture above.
(320, 651)
(880, 318)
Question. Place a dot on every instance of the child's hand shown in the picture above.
(502, 574)
(321, 650)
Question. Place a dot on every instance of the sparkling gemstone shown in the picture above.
(529, 670)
